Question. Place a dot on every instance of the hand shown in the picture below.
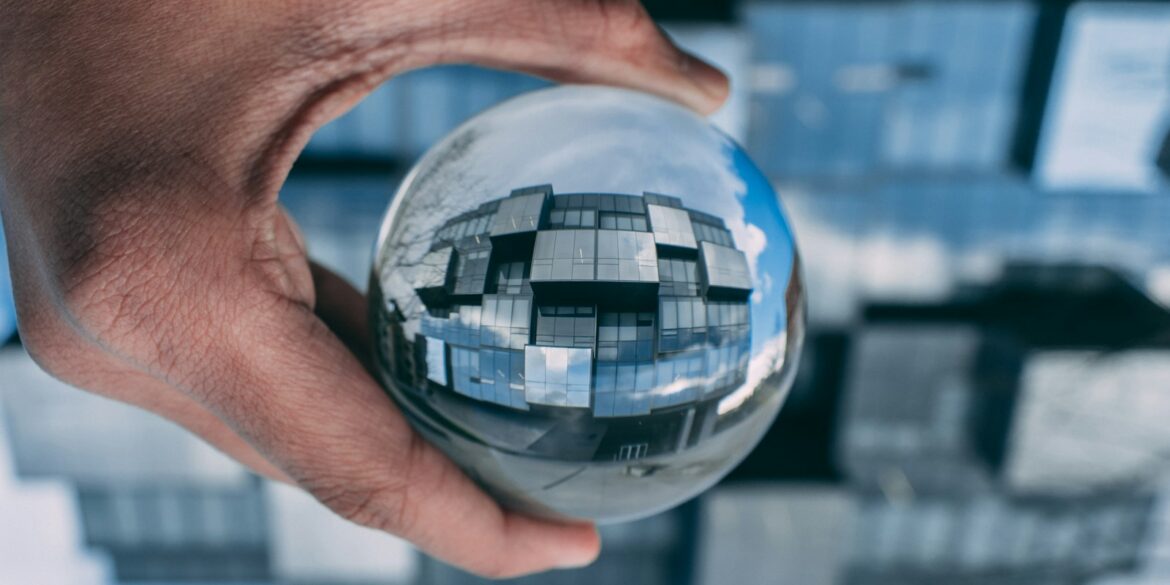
(143, 145)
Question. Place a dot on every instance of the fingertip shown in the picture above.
(584, 548)
(711, 83)
(557, 545)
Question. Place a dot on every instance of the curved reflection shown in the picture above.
(590, 300)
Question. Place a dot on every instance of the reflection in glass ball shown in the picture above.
(590, 300)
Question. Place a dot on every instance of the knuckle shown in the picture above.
(109, 281)
(384, 507)
(385, 503)
(626, 26)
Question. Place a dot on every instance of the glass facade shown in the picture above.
(725, 268)
(469, 227)
(626, 257)
(505, 321)
(613, 220)
(572, 218)
(501, 377)
(566, 326)
(519, 213)
(683, 323)
(471, 268)
(619, 354)
(557, 376)
(625, 364)
(678, 277)
(510, 277)
(707, 230)
(672, 227)
(436, 359)
(564, 255)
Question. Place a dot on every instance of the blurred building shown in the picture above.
(41, 538)
(991, 539)
(1108, 106)
(927, 408)
(980, 194)
(861, 88)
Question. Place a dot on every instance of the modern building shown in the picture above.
(993, 539)
(630, 311)
(927, 408)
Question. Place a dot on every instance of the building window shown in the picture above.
(489, 375)
(519, 213)
(557, 376)
(572, 218)
(565, 326)
(465, 228)
(663, 200)
(626, 337)
(716, 235)
(678, 277)
(501, 377)
(465, 371)
(683, 322)
(622, 204)
(505, 321)
(726, 366)
(471, 268)
(672, 227)
(626, 257)
(724, 267)
(727, 321)
(436, 361)
(564, 255)
(510, 278)
(632, 451)
(625, 366)
(612, 220)
(679, 378)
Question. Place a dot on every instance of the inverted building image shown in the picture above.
(588, 326)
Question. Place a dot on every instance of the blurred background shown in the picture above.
(981, 192)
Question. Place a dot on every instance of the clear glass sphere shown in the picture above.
(589, 299)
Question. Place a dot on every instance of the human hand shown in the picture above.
(144, 144)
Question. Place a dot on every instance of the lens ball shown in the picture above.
(589, 299)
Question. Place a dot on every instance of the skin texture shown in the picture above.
(142, 146)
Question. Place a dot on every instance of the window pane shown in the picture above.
(669, 314)
(564, 245)
(584, 248)
(521, 312)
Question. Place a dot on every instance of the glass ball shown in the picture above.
(589, 299)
